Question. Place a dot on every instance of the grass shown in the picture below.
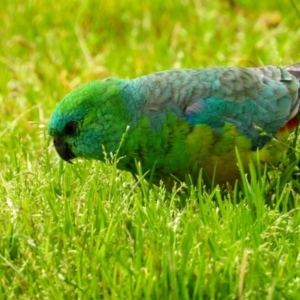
(87, 230)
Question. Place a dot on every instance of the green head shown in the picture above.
(88, 118)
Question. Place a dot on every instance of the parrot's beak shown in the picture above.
(63, 149)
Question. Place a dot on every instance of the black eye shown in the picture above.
(70, 127)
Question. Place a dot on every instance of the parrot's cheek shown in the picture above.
(63, 149)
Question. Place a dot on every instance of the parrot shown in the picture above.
(176, 123)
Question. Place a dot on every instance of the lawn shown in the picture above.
(90, 231)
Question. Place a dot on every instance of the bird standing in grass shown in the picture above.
(177, 122)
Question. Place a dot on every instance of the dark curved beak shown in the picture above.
(63, 149)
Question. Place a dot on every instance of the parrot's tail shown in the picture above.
(294, 70)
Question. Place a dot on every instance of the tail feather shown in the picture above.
(294, 70)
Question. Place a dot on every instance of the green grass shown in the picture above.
(89, 231)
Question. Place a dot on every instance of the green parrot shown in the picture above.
(176, 122)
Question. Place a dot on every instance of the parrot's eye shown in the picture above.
(70, 128)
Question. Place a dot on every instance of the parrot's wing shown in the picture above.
(254, 100)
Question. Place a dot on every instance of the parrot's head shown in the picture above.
(87, 120)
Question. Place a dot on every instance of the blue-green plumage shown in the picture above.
(179, 119)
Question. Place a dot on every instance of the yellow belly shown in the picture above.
(217, 154)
